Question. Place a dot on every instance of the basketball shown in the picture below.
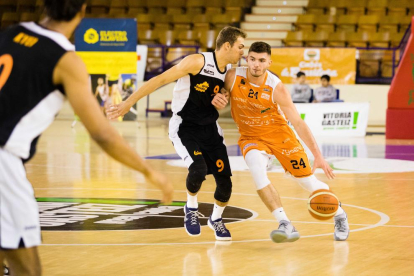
(323, 204)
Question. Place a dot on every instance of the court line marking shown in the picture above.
(383, 220)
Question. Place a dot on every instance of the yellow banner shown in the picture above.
(338, 63)
(112, 63)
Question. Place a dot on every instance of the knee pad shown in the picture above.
(257, 163)
(223, 189)
(196, 175)
(311, 183)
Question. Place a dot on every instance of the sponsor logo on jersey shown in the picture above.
(86, 214)
(243, 82)
(264, 110)
(202, 87)
(25, 39)
(210, 65)
(248, 146)
(197, 152)
(265, 96)
(208, 72)
(266, 90)
(290, 151)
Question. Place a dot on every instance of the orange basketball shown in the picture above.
(323, 204)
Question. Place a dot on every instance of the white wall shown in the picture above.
(376, 95)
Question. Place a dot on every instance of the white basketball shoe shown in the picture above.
(285, 233)
(341, 227)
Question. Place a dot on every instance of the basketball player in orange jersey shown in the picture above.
(42, 54)
(260, 106)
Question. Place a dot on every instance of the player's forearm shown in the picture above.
(146, 89)
(305, 134)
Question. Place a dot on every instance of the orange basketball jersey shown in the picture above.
(252, 107)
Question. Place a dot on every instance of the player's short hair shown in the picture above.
(62, 10)
(300, 74)
(326, 77)
(229, 34)
(261, 47)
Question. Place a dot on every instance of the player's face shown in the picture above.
(100, 81)
(324, 82)
(302, 79)
(236, 52)
(258, 63)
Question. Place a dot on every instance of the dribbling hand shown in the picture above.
(321, 163)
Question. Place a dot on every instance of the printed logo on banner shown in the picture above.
(338, 63)
(312, 54)
(91, 36)
(106, 34)
(340, 120)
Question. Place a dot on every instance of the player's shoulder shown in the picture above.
(240, 71)
(192, 63)
(47, 38)
(272, 79)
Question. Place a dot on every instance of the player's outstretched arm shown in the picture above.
(71, 73)
(191, 64)
(221, 99)
(282, 97)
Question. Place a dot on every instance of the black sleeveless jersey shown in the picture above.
(29, 101)
(193, 94)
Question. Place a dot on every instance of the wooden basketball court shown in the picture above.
(69, 168)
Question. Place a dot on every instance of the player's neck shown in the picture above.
(65, 28)
(256, 80)
(221, 60)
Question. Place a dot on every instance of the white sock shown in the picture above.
(340, 211)
(217, 212)
(280, 214)
(192, 201)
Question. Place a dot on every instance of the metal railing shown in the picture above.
(393, 51)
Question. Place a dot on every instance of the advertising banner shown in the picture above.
(108, 46)
(338, 63)
(335, 119)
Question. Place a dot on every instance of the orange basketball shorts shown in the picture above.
(284, 145)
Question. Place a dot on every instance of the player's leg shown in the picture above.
(197, 171)
(19, 217)
(311, 184)
(189, 151)
(257, 162)
(217, 160)
(296, 162)
(24, 261)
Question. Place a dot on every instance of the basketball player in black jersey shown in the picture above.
(194, 131)
(42, 55)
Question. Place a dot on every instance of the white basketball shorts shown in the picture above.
(19, 213)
